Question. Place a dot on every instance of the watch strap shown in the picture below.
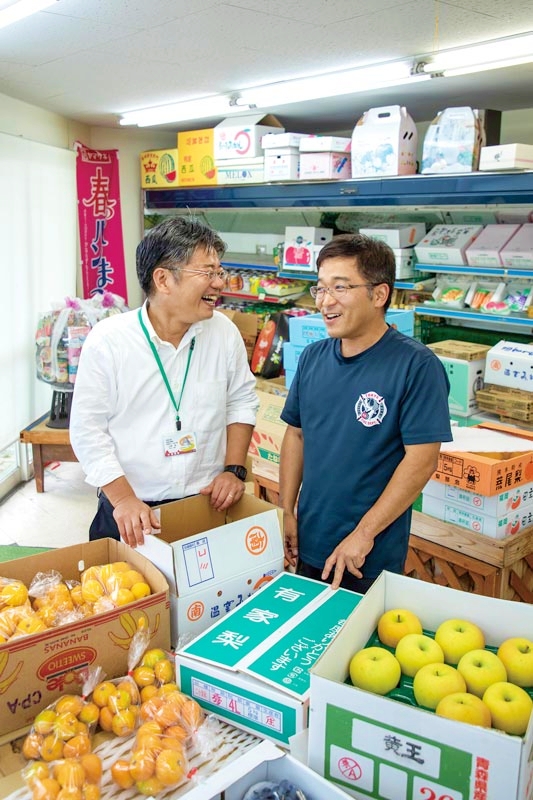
(238, 470)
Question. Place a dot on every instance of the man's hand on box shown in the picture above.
(225, 490)
(135, 520)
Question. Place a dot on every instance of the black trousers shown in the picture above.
(349, 581)
(103, 525)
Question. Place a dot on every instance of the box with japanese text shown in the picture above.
(485, 251)
(196, 158)
(517, 253)
(487, 473)
(213, 560)
(324, 166)
(374, 746)
(302, 245)
(397, 234)
(240, 136)
(510, 364)
(325, 144)
(506, 156)
(268, 434)
(159, 169)
(282, 166)
(384, 142)
(36, 669)
(447, 244)
(252, 667)
(497, 526)
(516, 498)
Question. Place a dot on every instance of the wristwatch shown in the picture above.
(240, 472)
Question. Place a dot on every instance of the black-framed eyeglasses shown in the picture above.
(210, 274)
(339, 290)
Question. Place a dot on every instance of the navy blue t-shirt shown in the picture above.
(356, 416)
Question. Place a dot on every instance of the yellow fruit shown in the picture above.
(69, 773)
(127, 579)
(120, 772)
(123, 723)
(148, 691)
(70, 702)
(91, 791)
(140, 590)
(31, 747)
(150, 786)
(44, 721)
(143, 676)
(92, 765)
(47, 789)
(106, 719)
(66, 725)
(76, 594)
(51, 748)
(119, 700)
(170, 767)
(152, 656)
(122, 597)
(28, 625)
(14, 593)
(36, 771)
(102, 692)
(164, 671)
(142, 765)
(91, 590)
(89, 714)
(78, 746)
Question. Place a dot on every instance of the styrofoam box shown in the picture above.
(446, 244)
(397, 235)
(244, 170)
(375, 746)
(405, 262)
(518, 252)
(465, 377)
(506, 156)
(497, 526)
(287, 139)
(282, 167)
(324, 166)
(485, 251)
(322, 144)
(510, 364)
(515, 499)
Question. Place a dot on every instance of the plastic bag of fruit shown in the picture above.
(108, 586)
(55, 600)
(78, 778)
(65, 728)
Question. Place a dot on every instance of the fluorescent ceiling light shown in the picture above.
(509, 62)
(499, 53)
(22, 8)
(316, 87)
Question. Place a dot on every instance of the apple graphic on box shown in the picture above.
(434, 681)
(464, 707)
(375, 669)
(395, 623)
(457, 637)
(480, 669)
(510, 707)
(414, 650)
(517, 656)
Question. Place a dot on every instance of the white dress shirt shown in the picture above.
(121, 409)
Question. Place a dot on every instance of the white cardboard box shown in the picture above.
(499, 526)
(518, 252)
(244, 170)
(375, 746)
(506, 156)
(397, 234)
(465, 377)
(452, 141)
(384, 142)
(325, 144)
(302, 245)
(515, 499)
(211, 560)
(405, 262)
(446, 244)
(252, 668)
(324, 166)
(282, 166)
(510, 364)
(240, 137)
(275, 140)
(485, 251)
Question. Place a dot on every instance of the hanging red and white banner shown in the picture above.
(100, 222)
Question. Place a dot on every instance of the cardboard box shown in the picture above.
(324, 166)
(466, 378)
(503, 515)
(213, 560)
(37, 669)
(447, 244)
(196, 158)
(244, 170)
(487, 473)
(159, 169)
(299, 247)
(452, 142)
(509, 404)
(282, 166)
(455, 348)
(485, 251)
(397, 234)
(518, 252)
(384, 142)
(267, 437)
(405, 258)
(272, 386)
(240, 137)
(325, 144)
(252, 668)
(248, 325)
(275, 140)
(372, 746)
(506, 156)
(510, 364)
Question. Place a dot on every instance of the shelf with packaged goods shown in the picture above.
(518, 321)
(475, 188)
(496, 272)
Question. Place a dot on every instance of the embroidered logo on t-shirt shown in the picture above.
(370, 409)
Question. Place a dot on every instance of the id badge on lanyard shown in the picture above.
(179, 444)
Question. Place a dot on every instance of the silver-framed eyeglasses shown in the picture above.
(318, 293)
(210, 274)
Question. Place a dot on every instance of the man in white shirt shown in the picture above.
(164, 403)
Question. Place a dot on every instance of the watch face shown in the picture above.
(240, 472)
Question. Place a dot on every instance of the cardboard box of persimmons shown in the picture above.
(445, 713)
(64, 610)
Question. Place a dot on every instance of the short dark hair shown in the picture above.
(173, 242)
(374, 259)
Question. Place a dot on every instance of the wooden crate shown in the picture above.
(461, 559)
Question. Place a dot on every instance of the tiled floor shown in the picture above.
(57, 517)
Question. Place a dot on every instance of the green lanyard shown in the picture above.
(163, 373)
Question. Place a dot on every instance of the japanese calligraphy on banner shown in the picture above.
(100, 222)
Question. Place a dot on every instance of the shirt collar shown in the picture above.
(194, 330)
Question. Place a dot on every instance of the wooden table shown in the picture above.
(48, 444)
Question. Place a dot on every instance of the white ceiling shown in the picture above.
(91, 60)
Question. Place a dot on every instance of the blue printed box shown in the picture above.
(291, 354)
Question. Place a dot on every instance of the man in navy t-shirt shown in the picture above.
(366, 413)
